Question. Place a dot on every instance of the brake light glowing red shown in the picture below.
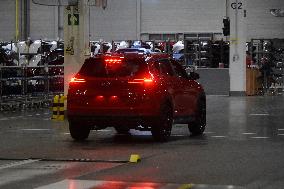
(148, 80)
(113, 60)
(77, 80)
(141, 81)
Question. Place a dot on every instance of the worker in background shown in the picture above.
(266, 72)
(248, 59)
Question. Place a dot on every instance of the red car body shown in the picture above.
(133, 91)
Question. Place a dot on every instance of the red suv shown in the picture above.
(134, 91)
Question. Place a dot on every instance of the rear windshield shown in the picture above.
(129, 50)
(96, 67)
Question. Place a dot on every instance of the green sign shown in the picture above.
(73, 19)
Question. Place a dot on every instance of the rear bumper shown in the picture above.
(106, 121)
(144, 106)
(113, 115)
(110, 111)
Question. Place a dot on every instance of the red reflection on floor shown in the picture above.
(123, 185)
(72, 184)
(111, 185)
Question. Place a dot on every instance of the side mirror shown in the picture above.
(193, 76)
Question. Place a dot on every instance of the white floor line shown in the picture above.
(248, 133)
(263, 114)
(83, 184)
(208, 132)
(18, 163)
(218, 136)
(280, 134)
(280, 129)
(259, 137)
(35, 129)
(179, 135)
(103, 130)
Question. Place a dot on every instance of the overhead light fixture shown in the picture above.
(277, 12)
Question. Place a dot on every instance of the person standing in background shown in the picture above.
(248, 60)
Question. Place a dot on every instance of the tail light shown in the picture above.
(77, 80)
(141, 81)
(147, 80)
(113, 60)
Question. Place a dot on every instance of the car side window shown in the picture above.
(165, 67)
(179, 70)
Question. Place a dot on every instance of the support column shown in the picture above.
(23, 20)
(59, 20)
(17, 19)
(76, 39)
(238, 35)
(27, 19)
(138, 19)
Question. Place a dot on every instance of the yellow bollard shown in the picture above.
(186, 186)
(61, 107)
(135, 158)
(55, 107)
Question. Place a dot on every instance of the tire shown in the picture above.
(79, 132)
(121, 130)
(197, 127)
(161, 127)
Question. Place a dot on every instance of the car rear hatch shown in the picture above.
(111, 84)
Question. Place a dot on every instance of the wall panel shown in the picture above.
(167, 16)
(119, 20)
(43, 22)
(116, 22)
(261, 24)
(7, 20)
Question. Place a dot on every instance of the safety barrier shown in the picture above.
(58, 107)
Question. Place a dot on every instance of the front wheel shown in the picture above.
(197, 127)
(162, 126)
(79, 132)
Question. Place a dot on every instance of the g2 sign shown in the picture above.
(238, 5)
